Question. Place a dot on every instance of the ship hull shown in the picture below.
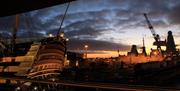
(49, 60)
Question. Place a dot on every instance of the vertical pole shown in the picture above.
(86, 53)
(15, 31)
(86, 48)
(63, 19)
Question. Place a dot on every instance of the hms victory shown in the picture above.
(42, 59)
(49, 59)
(35, 60)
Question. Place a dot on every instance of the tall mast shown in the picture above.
(15, 31)
(63, 19)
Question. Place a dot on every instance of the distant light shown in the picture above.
(18, 88)
(35, 88)
(86, 46)
(67, 39)
(77, 63)
(53, 79)
(155, 53)
(68, 61)
(27, 83)
(50, 35)
(62, 34)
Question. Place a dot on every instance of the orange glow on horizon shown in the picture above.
(105, 54)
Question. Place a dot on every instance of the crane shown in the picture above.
(156, 36)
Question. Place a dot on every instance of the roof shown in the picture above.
(12, 7)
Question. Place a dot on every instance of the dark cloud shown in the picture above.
(29, 34)
(174, 15)
(96, 45)
(5, 35)
(81, 28)
(7, 23)
(88, 19)
(84, 31)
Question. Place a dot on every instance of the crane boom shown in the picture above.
(157, 42)
(156, 36)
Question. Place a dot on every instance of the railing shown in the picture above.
(96, 86)
(50, 51)
(55, 46)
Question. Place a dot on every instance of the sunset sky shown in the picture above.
(105, 25)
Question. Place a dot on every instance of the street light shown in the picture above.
(86, 48)
(18, 89)
(62, 34)
(66, 43)
(67, 39)
(35, 88)
(50, 35)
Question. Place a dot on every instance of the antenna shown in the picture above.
(144, 48)
(63, 19)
